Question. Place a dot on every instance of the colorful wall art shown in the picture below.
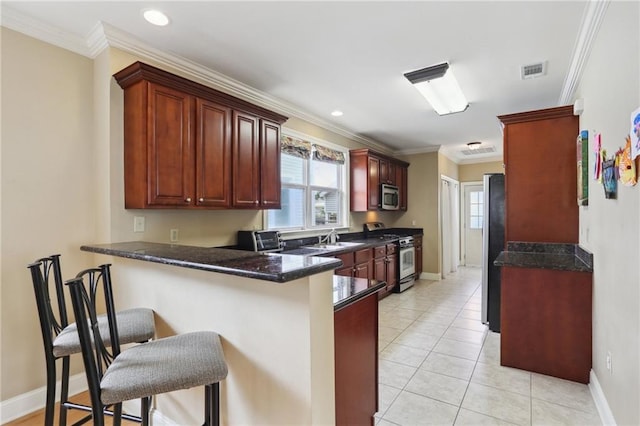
(582, 152)
(635, 134)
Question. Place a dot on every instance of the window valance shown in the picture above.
(322, 153)
(295, 147)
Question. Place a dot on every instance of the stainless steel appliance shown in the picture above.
(492, 244)
(263, 241)
(407, 257)
(389, 197)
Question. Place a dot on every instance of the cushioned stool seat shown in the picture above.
(164, 365)
(134, 326)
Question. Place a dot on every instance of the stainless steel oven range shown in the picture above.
(407, 264)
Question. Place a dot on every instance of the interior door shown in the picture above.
(472, 224)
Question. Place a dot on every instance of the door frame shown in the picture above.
(463, 218)
(441, 221)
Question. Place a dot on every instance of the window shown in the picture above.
(313, 194)
(476, 203)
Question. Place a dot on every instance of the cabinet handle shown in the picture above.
(256, 201)
(188, 200)
(201, 200)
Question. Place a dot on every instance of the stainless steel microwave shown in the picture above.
(389, 197)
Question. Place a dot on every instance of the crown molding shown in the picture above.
(591, 19)
(423, 150)
(18, 21)
(105, 35)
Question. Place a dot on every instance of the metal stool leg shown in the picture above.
(51, 393)
(145, 406)
(216, 405)
(64, 391)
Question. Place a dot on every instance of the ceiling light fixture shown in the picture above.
(438, 85)
(474, 145)
(156, 17)
(337, 113)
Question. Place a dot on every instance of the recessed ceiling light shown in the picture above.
(156, 17)
(336, 113)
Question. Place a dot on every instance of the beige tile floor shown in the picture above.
(439, 365)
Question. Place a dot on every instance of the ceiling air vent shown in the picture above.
(483, 150)
(533, 70)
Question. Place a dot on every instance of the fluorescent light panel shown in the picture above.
(438, 85)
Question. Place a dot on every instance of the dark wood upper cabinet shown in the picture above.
(541, 176)
(170, 147)
(401, 182)
(373, 187)
(270, 164)
(190, 146)
(246, 161)
(213, 154)
(370, 169)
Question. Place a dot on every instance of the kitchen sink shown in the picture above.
(335, 246)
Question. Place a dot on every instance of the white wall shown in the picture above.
(610, 229)
(47, 192)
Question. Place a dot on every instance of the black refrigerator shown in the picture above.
(492, 244)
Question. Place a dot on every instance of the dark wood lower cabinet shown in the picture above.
(356, 362)
(545, 323)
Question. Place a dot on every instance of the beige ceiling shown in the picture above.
(320, 56)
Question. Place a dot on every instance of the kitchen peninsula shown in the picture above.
(275, 315)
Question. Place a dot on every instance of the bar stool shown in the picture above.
(61, 338)
(164, 365)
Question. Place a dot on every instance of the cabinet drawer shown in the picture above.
(380, 251)
(363, 255)
(392, 249)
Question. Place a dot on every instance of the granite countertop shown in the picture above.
(347, 290)
(558, 256)
(278, 268)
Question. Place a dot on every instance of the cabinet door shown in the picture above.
(362, 270)
(417, 243)
(383, 170)
(246, 161)
(401, 182)
(373, 188)
(345, 272)
(269, 165)
(391, 263)
(391, 173)
(170, 149)
(380, 269)
(387, 172)
(213, 154)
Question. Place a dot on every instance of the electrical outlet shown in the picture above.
(413, 223)
(173, 236)
(138, 224)
(609, 362)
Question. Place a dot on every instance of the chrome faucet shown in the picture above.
(331, 238)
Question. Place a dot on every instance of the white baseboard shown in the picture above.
(601, 402)
(430, 276)
(27, 403)
(31, 401)
(158, 419)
